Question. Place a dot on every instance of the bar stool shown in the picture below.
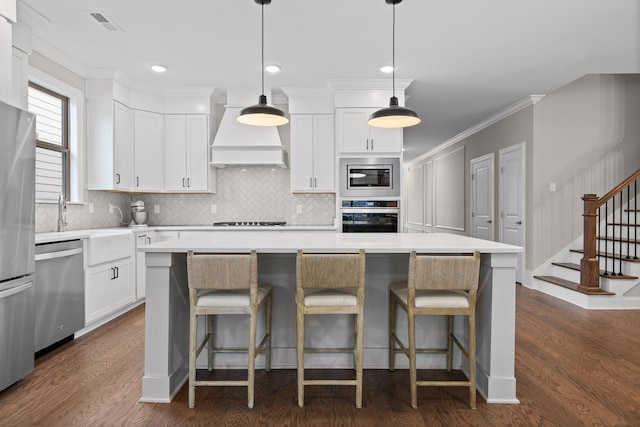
(226, 284)
(330, 284)
(437, 285)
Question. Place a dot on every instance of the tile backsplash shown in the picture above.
(243, 194)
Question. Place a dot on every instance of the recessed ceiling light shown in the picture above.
(386, 68)
(272, 68)
(159, 68)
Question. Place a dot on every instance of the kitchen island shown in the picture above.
(167, 305)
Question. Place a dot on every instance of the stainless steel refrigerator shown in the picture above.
(17, 243)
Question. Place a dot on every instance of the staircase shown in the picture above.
(601, 269)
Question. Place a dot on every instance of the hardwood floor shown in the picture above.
(574, 367)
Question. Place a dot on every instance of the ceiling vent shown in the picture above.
(105, 21)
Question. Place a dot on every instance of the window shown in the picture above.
(52, 142)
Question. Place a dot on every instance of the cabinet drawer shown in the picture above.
(109, 247)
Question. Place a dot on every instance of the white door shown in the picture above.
(197, 152)
(482, 201)
(175, 146)
(512, 194)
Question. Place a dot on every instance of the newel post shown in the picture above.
(589, 264)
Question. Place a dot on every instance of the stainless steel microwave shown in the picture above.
(370, 177)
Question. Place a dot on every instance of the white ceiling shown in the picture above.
(468, 58)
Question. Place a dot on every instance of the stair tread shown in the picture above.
(576, 267)
(571, 285)
(608, 255)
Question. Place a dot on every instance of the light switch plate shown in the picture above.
(156, 208)
(299, 209)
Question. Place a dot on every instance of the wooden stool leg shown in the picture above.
(193, 327)
(413, 374)
(300, 343)
(210, 329)
(392, 332)
(359, 343)
(449, 342)
(472, 359)
(251, 370)
(268, 329)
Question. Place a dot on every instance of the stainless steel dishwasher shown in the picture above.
(59, 292)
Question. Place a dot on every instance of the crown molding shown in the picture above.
(30, 16)
(525, 102)
(52, 53)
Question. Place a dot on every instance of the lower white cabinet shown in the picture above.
(109, 287)
(109, 275)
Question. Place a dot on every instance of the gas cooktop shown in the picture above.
(249, 224)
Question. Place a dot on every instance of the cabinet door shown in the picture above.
(383, 140)
(175, 153)
(122, 147)
(302, 153)
(148, 158)
(123, 286)
(324, 153)
(353, 130)
(197, 152)
(98, 292)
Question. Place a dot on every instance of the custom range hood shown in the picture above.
(237, 144)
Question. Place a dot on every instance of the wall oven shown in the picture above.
(370, 216)
(370, 177)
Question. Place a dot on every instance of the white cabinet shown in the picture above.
(356, 136)
(186, 153)
(312, 153)
(122, 147)
(109, 277)
(148, 151)
(109, 137)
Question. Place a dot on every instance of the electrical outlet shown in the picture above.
(91, 208)
(214, 209)
(110, 208)
(156, 208)
(299, 209)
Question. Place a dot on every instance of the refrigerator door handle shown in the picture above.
(16, 290)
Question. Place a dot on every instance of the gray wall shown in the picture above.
(584, 137)
(586, 140)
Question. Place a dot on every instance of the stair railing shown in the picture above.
(600, 215)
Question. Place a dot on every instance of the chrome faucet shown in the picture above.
(62, 210)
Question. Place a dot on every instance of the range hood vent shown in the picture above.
(243, 145)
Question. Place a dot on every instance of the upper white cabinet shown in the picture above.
(122, 147)
(186, 153)
(356, 136)
(148, 151)
(109, 137)
(312, 153)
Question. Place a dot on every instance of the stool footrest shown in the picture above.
(330, 382)
(460, 383)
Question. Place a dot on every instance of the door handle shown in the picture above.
(118, 177)
(490, 221)
(113, 273)
(188, 182)
(183, 183)
(137, 181)
(519, 222)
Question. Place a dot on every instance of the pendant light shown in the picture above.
(394, 116)
(262, 114)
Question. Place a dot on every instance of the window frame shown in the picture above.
(64, 147)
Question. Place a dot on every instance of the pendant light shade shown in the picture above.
(262, 114)
(394, 116)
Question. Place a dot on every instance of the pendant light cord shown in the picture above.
(262, 68)
(393, 51)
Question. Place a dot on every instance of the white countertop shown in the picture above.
(83, 234)
(290, 242)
